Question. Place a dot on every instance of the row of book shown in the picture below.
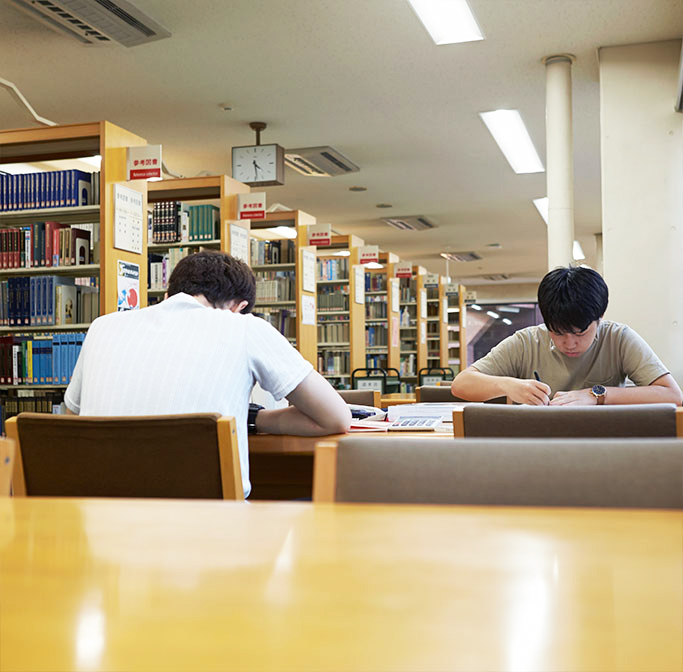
(13, 402)
(333, 297)
(375, 282)
(283, 320)
(377, 361)
(333, 269)
(275, 286)
(375, 309)
(46, 244)
(376, 335)
(333, 362)
(407, 365)
(47, 300)
(333, 332)
(175, 222)
(45, 359)
(262, 252)
(52, 189)
(160, 266)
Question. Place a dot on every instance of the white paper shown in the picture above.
(307, 309)
(444, 310)
(128, 219)
(395, 333)
(431, 380)
(423, 332)
(359, 279)
(423, 304)
(127, 286)
(308, 264)
(395, 295)
(239, 242)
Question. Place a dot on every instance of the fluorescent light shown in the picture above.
(506, 321)
(474, 306)
(509, 131)
(490, 313)
(343, 253)
(373, 264)
(284, 231)
(542, 207)
(577, 253)
(447, 21)
(95, 161)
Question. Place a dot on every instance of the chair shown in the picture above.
(633, 473)
(171, 456)
(6, 465)
(433, 375)
(635, 420)
(442, 393)
(362, 397)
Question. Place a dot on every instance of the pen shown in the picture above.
(536, 376)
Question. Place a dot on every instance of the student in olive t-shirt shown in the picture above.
(575, 358)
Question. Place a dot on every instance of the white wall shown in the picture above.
(642, 193)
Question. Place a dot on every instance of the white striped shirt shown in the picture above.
(182, 357)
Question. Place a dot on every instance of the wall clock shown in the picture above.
(259, 165)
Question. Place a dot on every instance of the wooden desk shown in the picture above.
(281, 465)
(142, 585)
(396, 398)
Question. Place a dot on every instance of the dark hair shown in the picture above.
(570, 298)
(219, 277)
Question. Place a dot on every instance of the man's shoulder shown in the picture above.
(534, 334)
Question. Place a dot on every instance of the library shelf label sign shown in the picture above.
(368, 254)
(320, 235)
(359, 283)
(431, 280)
(127, 286)
(251, 206)
(144, 162)
(404, 270)
(307, 309)
(128, 218)
(239, 242)
(308, 260)
(395, 295)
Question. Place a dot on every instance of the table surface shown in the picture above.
(176, 586)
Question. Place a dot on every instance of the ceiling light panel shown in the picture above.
(509, 131)
(447, 21)
(542, 207)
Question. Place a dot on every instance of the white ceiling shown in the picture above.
(364, 77)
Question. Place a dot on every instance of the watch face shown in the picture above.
(598, 390)
(254, 164)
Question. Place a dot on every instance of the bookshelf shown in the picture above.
(437, 320)
(457, 337)
(413, 327)
(23, 367)
(341, 310)
(216, 189)
(291, 308)
(382, 314)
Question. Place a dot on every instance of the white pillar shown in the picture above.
(599, 261)
(559, 159)
(642, 193)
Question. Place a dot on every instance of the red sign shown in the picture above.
(368, 253)
(404, 270)
(251, 206)
(144, 162)
(320, 235)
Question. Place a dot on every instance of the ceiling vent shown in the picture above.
(499, 277)
(95, 22)
(460, 256)
(319, 162)
(414, 223)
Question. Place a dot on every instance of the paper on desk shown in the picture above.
(368, 425)
(445, 410)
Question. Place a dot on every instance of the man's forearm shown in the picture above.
(289, 420)
(476, 386)
(646, 394)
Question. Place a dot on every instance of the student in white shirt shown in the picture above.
(200, 351)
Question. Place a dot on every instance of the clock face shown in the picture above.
(257, 164)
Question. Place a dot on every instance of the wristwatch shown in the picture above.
(251, 417)
(599, 392)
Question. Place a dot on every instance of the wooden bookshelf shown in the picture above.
(352, 313)
(73, 141)
(383, 355)
(219, 189)
(413, 329)
(306, 339)
(456, 336)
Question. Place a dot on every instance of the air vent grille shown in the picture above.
(460, 256)
(319, 162)
(413, 223)
(496, 277)
(94, 22)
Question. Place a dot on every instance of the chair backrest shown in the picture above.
(363, 397)
(170, 456)
(6, 465)
(632, 473)
(637, 420)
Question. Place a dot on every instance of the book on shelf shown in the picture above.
(51, 189)
(333, 269)
(263, 252)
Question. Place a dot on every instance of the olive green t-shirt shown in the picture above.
(616, 353)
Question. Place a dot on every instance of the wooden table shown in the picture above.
(397, 398)
(144, 585)
(281, 465)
